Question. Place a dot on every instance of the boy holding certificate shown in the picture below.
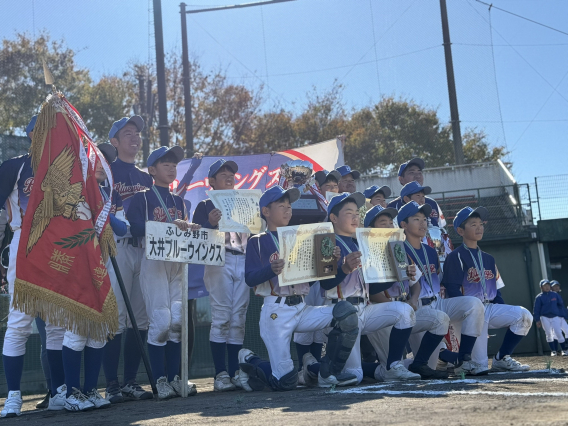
(433, 322)
(284, 311)
(467, 311)
(161, 280)
(228, 294)
(350, 286)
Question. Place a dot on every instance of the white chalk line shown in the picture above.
(453, 392)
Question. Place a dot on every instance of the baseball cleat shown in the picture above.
(301, 380)
(12, 405)
(57, 401)
(553, 353)
(77, 401)
(470, 368)
(427, 373)
(165, 390)
(97, 399)
(256, 378)
(241, 378)
(222, 382)
(564, 353)
(113, 393)
(309, 378)
(398, 373)
(341, 379)
(380, 373)
(176, 385)
(135, 392)
(44, 403)
(508, 364)
(442, 365)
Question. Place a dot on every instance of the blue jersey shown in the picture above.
(436, 217)
(548, 305)
(16, 182)
(564, 310)
(461, 277)
(128, 180)
(118, 226)
(262, 251)
(430, 261)
(145, 205)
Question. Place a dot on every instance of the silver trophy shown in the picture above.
(296, 173)
(435, 234)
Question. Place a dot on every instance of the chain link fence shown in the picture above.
(550, 193)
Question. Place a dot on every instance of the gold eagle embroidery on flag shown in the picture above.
(61, 197)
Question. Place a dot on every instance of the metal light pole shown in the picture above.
(161, 75)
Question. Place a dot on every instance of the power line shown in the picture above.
(508, 45)
(495, 76)
(491, 6)
(264, 44)
(375, 46)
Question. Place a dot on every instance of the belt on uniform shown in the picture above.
(234, 252)
(290, 300)
(428, 300)
(352, 300)
(399, 299)
(132, 241)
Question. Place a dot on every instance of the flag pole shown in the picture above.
(135, 326)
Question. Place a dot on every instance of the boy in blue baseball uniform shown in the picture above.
(548, 312)
(229, 295)
(563, 324)
(161, 281)
(284, 312)
(124, 135)
(350, 286)
(470, 272)
(327, 181)
(377, 195)
(434, 322)
(348, 177)
(466, 311)
(16, 182)
(73, 344)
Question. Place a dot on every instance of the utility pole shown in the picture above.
(186, 86)
(185, 61)
(144, 114)
(455, 116)
(161, 75)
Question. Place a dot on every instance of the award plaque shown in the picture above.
(398, 257)
(326, 263)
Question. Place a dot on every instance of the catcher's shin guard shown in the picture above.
(341, 339)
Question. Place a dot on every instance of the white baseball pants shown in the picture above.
(314, 298)
(552, 329)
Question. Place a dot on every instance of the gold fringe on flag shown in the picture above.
(46, 120)
(107, 242)
(61, 311)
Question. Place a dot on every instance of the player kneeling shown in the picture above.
(161, 281)
(468, 271)
(285, 312)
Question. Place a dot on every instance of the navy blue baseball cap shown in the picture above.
(322, 176)
(108, 151)
(30, 126)
(214, 168)
(554, 282)
(410, 209)
(163, 150)
(345, 170)
(277, 192)
(543, 282)
(467, 212)
(412, 188)
(416, 161)
(376, 211)
(117, 125)
(372, 190)
(355, 197)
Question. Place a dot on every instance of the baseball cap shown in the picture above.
(467, 212)
(345, 170)
(355, 197)
(30, 126)
(372, 190)
(410, 209)
(117, 125)
(554, 282)
(543, 282)
(214, 168)
(416, 161)
(163, 150)
(412, 188)
(108, 151)
(277, 192)
(322, 176)
(376, 211)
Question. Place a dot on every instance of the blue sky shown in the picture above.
(293, 46)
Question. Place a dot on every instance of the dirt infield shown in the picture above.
(537, 397)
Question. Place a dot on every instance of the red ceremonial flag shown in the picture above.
(66, 235)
